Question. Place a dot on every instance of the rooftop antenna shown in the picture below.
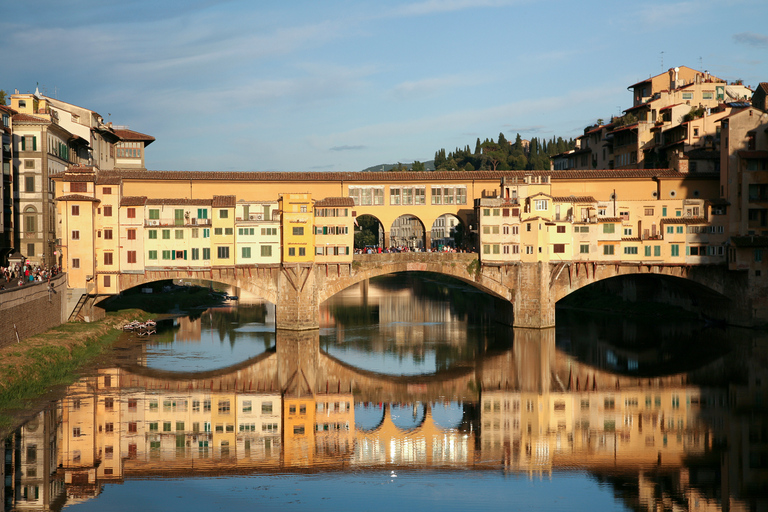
(662, 60)
(701, 65)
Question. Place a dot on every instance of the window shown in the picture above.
(222, 252)
(131, 213)
(107, 281)
(30, 222)
(166, 234)
(152, 255)
(152, 234)
(675, 250)
(178, 234)
(206, 253)
(541, 205)
(107, 211)
(648, 212)
(608, 250)
(630, 250)
(75, 262)
(131, 234)
(195, 253)
(107, 234)
(29, 183)
(218, 231)
(298, 231)
(223, 214)
(561, 229)
(167, 255)
(609, 228)
(223, 406)
(247, 407)
(75, 235)
(107, 258)
(154, 214)
(584, 249)
(291, 251)
(558, 248)
(266, 250)
(75, 210)
(657, 250)
(107, 191)
(131, 256)
(246, 251)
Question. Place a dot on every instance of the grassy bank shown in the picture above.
(30, 370)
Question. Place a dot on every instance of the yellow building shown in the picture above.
(334, 230)
(257, 236)
(298, 243)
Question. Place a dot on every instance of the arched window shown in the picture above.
(30, 219)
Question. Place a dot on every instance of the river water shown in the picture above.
(409, 397)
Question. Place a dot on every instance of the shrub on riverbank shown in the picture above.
(32, 368)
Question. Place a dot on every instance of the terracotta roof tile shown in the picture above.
(224, 201)
(107, 180)
(26, 118)
(684, 220)
(378, 177)
(134, 136)
(77, 197)
(335, 201)
(180, 202)
(575, 199)
(133, 201)
(609, 219)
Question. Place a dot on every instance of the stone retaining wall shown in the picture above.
(32, 309)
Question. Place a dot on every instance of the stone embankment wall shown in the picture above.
(32, 309)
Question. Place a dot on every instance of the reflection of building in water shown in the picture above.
(655, 427)
(29, 463)
(427, 444)
(189, 329)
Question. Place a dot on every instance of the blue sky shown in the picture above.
(341, 85)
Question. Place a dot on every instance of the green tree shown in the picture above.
(439, 158)
(417, 166)
(3, 97)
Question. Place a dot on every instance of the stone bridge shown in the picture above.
(527, 292)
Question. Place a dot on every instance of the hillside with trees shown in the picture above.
(490, 155)
(503, 155)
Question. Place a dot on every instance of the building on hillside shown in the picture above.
(744, 186)
(672, 123)
(7, 242)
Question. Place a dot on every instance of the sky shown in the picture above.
(342, 85)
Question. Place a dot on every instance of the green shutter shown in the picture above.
(23, 143)
(185, 255)
(34, 143)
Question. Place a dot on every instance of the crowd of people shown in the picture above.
(405, 248)
(21, 274)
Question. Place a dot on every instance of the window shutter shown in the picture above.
(185, 255)
(23, 143)
(34, 143)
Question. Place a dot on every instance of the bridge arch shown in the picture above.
(456, 265)
(259, 281)
(704, 288)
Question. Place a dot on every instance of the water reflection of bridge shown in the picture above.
(532, 365)
(520, 411)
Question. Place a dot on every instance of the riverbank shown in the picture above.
(37, 367)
